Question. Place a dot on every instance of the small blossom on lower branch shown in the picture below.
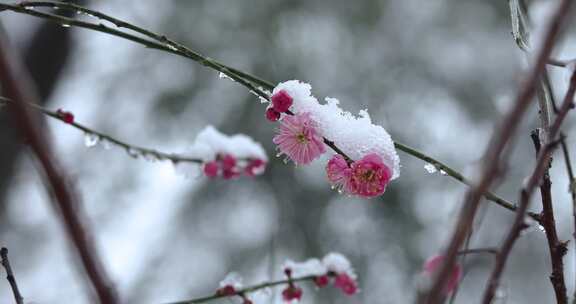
(433, 264)
(228, 156)
(332, 265)
(66, 116)
(299, 139)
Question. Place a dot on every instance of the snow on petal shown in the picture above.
(232, 279)
(298, 138)
(306, 268)
(338, 263)
(356, 136)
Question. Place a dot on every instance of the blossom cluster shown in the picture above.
(366, 160)
(334, 267)
(228, 156)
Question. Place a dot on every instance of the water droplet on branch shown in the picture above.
(91, 139)
(430, 168)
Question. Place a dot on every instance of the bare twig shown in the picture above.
(129, 148)
(557, 249)
(492, 157)
(10, 276)
(525, 194)
(17, 86)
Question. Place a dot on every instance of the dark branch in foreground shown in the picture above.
(10, 276)
(17, 86)
(539, 170)
(492, 157)
(557, 249)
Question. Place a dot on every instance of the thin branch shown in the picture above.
(10, 276)
(539, 170)
(244, 291)
(159, 42)
(546, 99)
(557, 249)
(492, 157)
(170, 46)
(129, 148)
(489, 250)
(17, 86)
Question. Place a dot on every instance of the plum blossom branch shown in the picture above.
(163, 43)
(17, 86)
(247, 290)
(10, 276)
(493, 161)
(223, 162)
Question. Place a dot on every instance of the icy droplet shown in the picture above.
(91, 139)
(430, 168)
(442, 172)
(171, 47)
(106, 144)
(541, 228)
(222, 75)
(65, 25)
(151, 157)
(133, 152)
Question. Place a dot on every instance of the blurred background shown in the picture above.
(436, 74)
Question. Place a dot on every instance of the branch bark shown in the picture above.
(10, 276)
(557, 249)
(17, 86)
(526, 192)
(492, 157)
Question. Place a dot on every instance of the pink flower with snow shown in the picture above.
(339, 172)
(272, 115)
(345, 283)
(255, 167)
(298, 138)
(369, 176)
(211, 169)
(321, 281)
(281, 101)
(433, 264)
(292, 293)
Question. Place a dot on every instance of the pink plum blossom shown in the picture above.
(369, 176)
(292, 293)
(339, 172)
(211, 169)
(432, 265)
(281, 101)
(345, 283)
(272, 115)
(255, 167)
(298, 138)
